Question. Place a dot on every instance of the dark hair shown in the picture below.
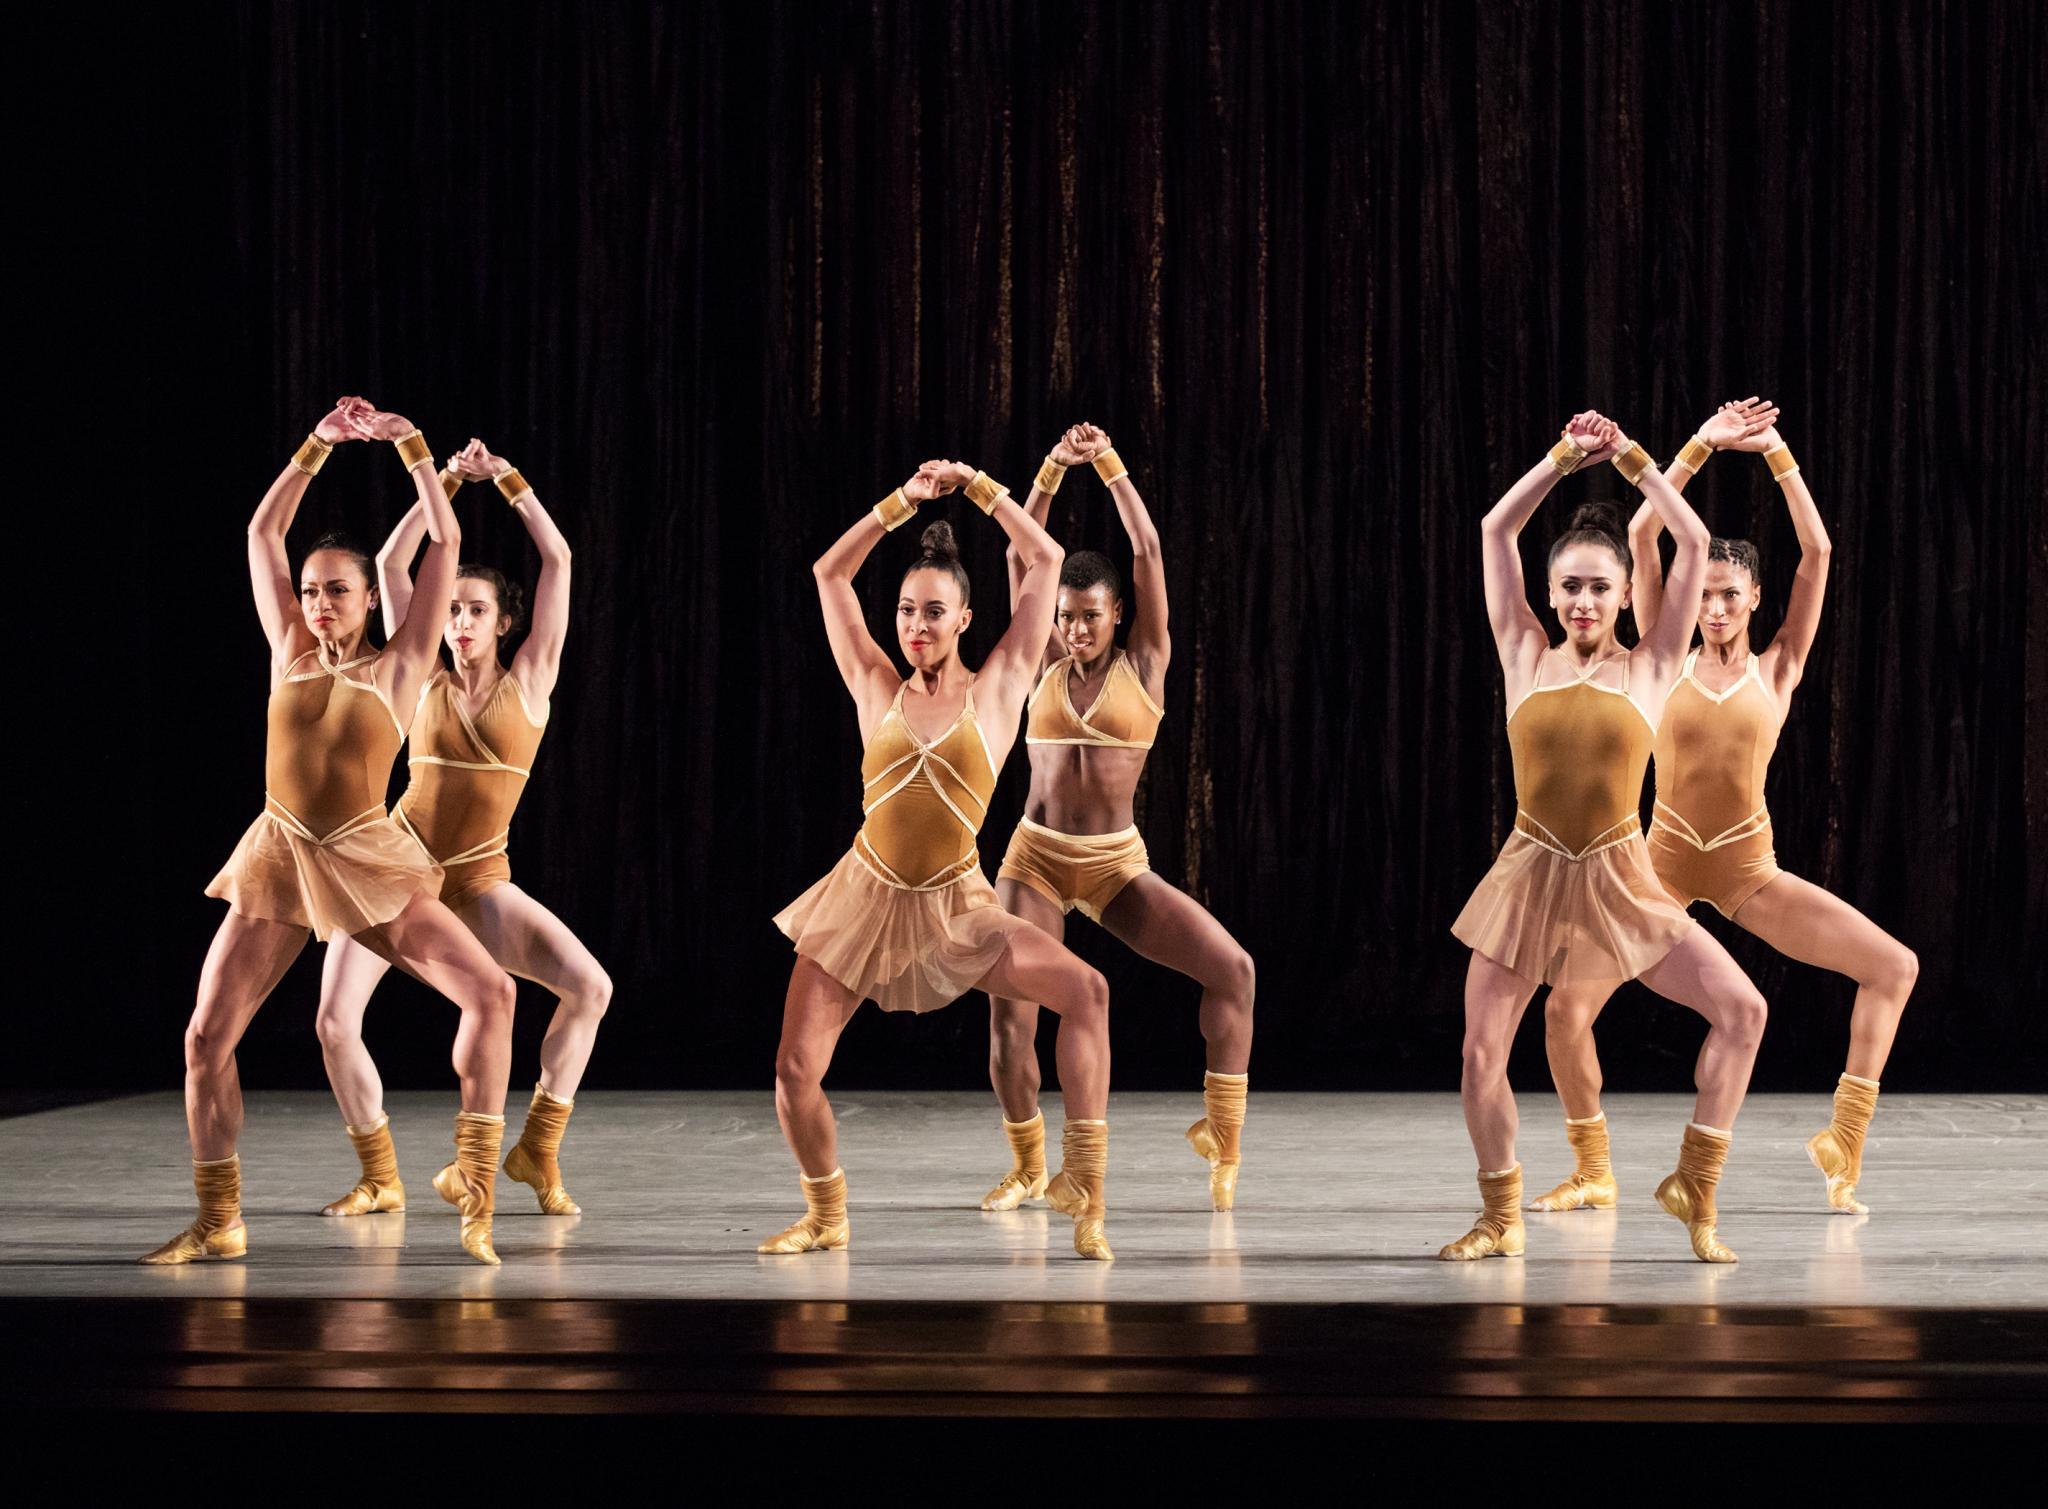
(1091, 568)
(335, 539)
(1596, 524)
(511, 596)
(1737, 553)
(939, 551)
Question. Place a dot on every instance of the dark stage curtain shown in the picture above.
(718, 276)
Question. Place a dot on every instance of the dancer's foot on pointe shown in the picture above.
(1077, 1189)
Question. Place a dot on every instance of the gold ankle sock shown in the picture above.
(1216, 1135)
(470, 1183)
(535, 1157)
(379, 1189)
(218, 1232)
(1838, 1151)
(1026, 1179)
(1592, 1181)
(1689, 1193)
(1499, 1230)
(1077, 1189)
(824, 1226)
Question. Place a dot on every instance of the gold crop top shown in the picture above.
(1123, 715)
(924, 803)
(1713, 751)
(1580, 749)
(468, 773)
(331, 743)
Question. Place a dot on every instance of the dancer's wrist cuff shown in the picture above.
(895, 510)
(983, 492)
(1050, 474)
(413, 449)
(1566, 457)
(1780, 462)
(1693, 454)
(311, 455)
(1109, 466)
(449, 482)
(1633, 462)
(512, 485)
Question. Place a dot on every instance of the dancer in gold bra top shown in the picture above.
(475, 732)
(1092, 722)
(324, 857)
(1712, 839)
(1572, 896)
(906, 918)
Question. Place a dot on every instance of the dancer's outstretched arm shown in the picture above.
(864, 666)
(1794, 640)
(394, 567)
(1150, 645)
(1666, 641)
(412, 645)
(1064, 454)
(1732, 423)
(270, 566)
(1012, 667)
(1517, 632)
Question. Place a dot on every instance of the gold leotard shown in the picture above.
(467, 777)
(1711, 840)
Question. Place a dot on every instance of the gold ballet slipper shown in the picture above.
(1077, 1189)
(1688, 1193)
(1027, 1177)
(1591, 1186)
(218, 1232)
(1216, 1136)
(825, 1226)
(1837, 1150)
(535, 1157)
(380, 1188)
(470, 1182)
(1499, 1231)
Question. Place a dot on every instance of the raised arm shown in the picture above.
(1013, 664)
(1518, 634)
(270, 566)
(864, 666)
(394, 567)
(1665, 641)
(1038, 504)
(539, 661)
(413, 642)
(1794, 640)
(1732, 423)
(1150, 644)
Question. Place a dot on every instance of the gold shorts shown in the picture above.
(463, 883)
(1724, 877)
(1085, 870)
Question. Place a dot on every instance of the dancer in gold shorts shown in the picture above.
(1711, 840)
(906, 918)
(324, 858)
(1091, 726)
(474, 733)
(1572, 898)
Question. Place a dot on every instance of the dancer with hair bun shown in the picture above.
(1572, 897)
(907, 919)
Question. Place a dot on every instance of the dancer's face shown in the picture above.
(930, 617)
(476, 622)
(335, 598)
(1589, 592)
(1726, 601)
(1087, 618)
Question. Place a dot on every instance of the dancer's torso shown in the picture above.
(1713, 751)
(1085, 762)
(1580, 748)
(468, 771)
(332, 739)
(924, 802)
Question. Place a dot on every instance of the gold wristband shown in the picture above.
(1693, 454)
(983, 492)
(1109, 466)
(894, 510)
(1780, 462)
(312, 455)
(449, 482)
(413, 449)
(1566, 457)
(1050, 472)
(512, 485)
(1633, 462)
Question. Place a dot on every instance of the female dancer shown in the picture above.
(474, 736)
(1091, 725)
(1711, 840)
(907, 919)
(1572, 897)
(324, 856)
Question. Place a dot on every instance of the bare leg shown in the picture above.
(1804, 922)
(1013, 1024)
(533, 943)
(1568, 1017)
(427, 941)
(248, 957)
(815, 1010)
(1170, 927)
(1699, 973)
(348, 977)
(1495, 998)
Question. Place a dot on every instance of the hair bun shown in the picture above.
(937, 541)
(1604, 517)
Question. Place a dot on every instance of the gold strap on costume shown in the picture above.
(1619, 833)
(1566, 456)
(1634, 462)
(513, 486)
(984, 491)
(864, 851)
(311, 455)
(895, 510)
(413, 449)
(1779, 460)
(1757, 822)
(286, 819)
(1050, 475)
(490, 848)
(1109, 466)
(1694, 453)
(450, 482)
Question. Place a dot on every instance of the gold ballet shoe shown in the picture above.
(1026, 1179)
(1077, 1189)
(824, 1226)
(1837, 1150)
(534, 1157)
(380, 1188)
(1591, 1186)
(1688, 1193)
(470, 1182)
(1216, 1136)
(218, 1232)
(1499, 1231)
